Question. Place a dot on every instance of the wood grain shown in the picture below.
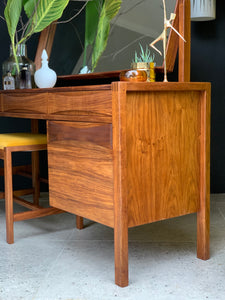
(173, 43)
(80, 103)
(162, 155)
(203, 216)
(80, 170)
(45, 42)
(25, 103)
(120, 185)
(184, 57)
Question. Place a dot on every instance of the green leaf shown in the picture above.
(44, 13)
(92, 12)
(12, 14)
(109, 11)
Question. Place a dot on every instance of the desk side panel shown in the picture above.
(163, 154)
(80, 169)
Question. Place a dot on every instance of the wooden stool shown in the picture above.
(22, 142)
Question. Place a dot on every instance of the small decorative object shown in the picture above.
(10, 66)
(84, 70)
(38, 15)
(25, 78)
(203, 10)
(133, 76)
(143, 62)
(45, 77)
(152, 71)
(162, 36)
(8, 82)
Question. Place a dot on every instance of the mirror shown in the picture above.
(138, 22)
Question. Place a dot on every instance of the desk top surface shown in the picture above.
(128, 86)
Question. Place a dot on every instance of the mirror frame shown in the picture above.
(174, 45)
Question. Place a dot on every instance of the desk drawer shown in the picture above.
(81, 103)
(25, 103)
(81, 169)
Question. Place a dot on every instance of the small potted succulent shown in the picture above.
(145, 61)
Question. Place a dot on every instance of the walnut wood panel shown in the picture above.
(78, 103)
(172, 45)
(80, 169)
(45, 42)
(25, 103)
(184, 59)
(163, 155)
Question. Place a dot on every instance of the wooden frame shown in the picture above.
(35, 210)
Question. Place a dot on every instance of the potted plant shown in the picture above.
(24, 18)
(145, 61)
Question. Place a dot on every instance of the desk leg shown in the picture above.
(79, 222)
(121, 252)
(203, 215)
(120, 185)
(203, 231)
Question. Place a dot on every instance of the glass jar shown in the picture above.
(133, 76)
(25, 78)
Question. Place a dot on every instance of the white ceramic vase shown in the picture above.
(45, 77)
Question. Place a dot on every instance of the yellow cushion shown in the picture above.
(21, 139)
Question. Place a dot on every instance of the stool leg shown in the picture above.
(8, 196)
(35, 177)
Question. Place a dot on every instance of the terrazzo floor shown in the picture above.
(52, 260)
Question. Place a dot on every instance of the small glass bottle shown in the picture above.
(8, 82)
(9, 66)
(25, 78)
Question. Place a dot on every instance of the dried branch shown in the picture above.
(74, 16)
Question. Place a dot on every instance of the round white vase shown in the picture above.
(45, 77)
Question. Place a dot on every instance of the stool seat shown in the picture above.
(21, 139)
(22, 142)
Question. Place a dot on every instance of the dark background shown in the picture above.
(207, 65)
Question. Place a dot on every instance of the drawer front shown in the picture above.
(80, 169)
(81, 103)
(25, 103)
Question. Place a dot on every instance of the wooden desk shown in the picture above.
(125, 154)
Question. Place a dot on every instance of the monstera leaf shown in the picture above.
(43, 12)
(109, 11)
